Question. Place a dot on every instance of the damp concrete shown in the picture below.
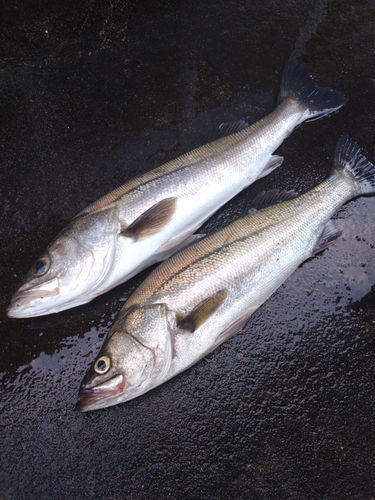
(95, 92)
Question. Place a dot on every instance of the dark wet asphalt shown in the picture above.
(94, 92)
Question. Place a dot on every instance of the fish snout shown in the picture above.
(13, 310)
(92, 398)
(28, 303)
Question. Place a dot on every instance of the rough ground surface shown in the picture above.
(96, 91)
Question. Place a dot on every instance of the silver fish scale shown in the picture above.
(256, 268)
(218, 164)
(261, 250)
(166, 206)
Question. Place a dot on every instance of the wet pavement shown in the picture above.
(93, 93)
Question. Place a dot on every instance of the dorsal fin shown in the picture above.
(271, 197)
(226, 129)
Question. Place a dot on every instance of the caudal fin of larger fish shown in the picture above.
(297, 83)
(348, 159)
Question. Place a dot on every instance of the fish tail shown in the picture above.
(297, 83)
(349, 159)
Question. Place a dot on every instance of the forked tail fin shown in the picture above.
(297, 83)
(348, 158)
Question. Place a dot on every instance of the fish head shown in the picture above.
(74, 265)
(136, 357)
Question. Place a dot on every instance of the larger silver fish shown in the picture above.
(205, 293)
(150, 217)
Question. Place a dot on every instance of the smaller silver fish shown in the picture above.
(205, 293)
(152, 216)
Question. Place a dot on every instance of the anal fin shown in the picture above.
(151, 221)
(202, 312)
(233, 328)
(329, 236)
(273, 163)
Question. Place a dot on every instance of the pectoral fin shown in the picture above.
(234, 328)
(151, 221)
(202, 312)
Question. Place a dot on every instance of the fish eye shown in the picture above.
(41, 266)
(102, 365)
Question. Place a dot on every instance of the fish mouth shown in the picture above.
(22, 303)
(94, 398)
